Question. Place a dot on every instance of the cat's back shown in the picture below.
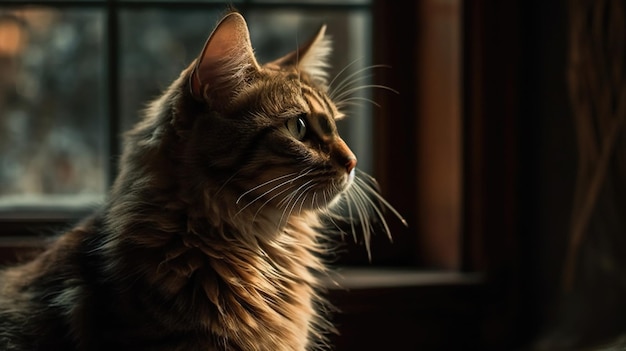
(41, 300)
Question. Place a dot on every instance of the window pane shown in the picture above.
(52, 115)
(158, 44)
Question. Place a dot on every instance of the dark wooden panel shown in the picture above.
(426, 317)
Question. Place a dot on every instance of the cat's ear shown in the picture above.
(226, 60)
(312, 57)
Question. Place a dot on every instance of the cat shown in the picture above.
(210, 236)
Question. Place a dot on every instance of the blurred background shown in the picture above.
(504, 148)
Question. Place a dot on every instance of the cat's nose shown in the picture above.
(351, 164)
(343, 155)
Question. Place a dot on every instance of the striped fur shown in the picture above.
(209, 238)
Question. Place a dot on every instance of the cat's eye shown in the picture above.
(297, 127)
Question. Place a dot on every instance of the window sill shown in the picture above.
(352, 278)
(406, 309)
(47, 208)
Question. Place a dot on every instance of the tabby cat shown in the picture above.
(209, 238)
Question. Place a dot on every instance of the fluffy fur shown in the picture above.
(209, 238)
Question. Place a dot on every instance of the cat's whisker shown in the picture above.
(351, 91)
(226, 182)
(299, 192)
(361, 205)
(262, 185)
(349, 101)
(330, 217)
(333, 213)
(349, 84)
(363, 211)
(374, 192)
(350, 215)
(267, 201)
(305, 196)
(350, 79)
(289, 181)
(293, 193)
(342, 71)
(264, 194)
(366, 199)
(296, 200)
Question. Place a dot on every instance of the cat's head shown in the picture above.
(266, 131)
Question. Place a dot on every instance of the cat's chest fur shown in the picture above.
(247, 298)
